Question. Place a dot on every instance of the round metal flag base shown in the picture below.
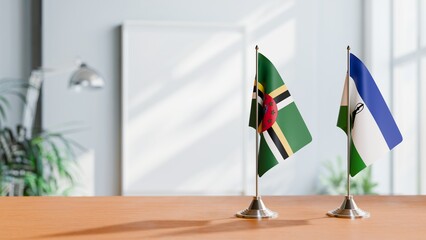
(349, 209)
(257, 209)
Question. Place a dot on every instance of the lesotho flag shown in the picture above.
(373, 129)
(281, 127)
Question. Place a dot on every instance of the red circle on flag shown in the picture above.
(270, 112)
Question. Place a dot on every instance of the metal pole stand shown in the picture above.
(257, 209)
(349, 209)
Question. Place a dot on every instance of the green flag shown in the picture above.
(281, 127)
(373, 130)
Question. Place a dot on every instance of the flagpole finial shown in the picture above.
(257, 48)
(348, 48)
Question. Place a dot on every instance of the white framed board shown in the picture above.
(184, 109)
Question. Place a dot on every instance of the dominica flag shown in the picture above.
(281, 127)
(373, 129)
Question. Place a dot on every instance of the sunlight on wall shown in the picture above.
(405, 34)
(398, 62)
(207, 50)
(283, 38)
(406, 115)
(189, 93)
(180, 73)
(185, 117)
(187, 133)
(265, 13)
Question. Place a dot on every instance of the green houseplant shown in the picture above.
(10, 88)
(37, 165)
(333, 181)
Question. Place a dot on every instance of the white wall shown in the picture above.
(183, 109)
(305, 39)
(15, 47)
(396, 64)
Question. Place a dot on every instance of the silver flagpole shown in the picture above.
(257, 122)
(348, 122)
(257, 208)
(348, 209)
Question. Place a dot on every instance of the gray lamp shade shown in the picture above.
(86, 77)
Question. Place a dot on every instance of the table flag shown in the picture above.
(373, 129)
(281, 126)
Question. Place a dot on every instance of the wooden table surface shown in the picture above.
(300, 217)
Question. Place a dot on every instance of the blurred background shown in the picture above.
(172, 116)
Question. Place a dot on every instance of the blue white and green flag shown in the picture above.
(373, 129)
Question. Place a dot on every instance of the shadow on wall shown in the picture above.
(188, 102)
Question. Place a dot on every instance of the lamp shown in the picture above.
(86, 77)
(82, 77)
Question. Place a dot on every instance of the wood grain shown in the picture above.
(300, 217)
